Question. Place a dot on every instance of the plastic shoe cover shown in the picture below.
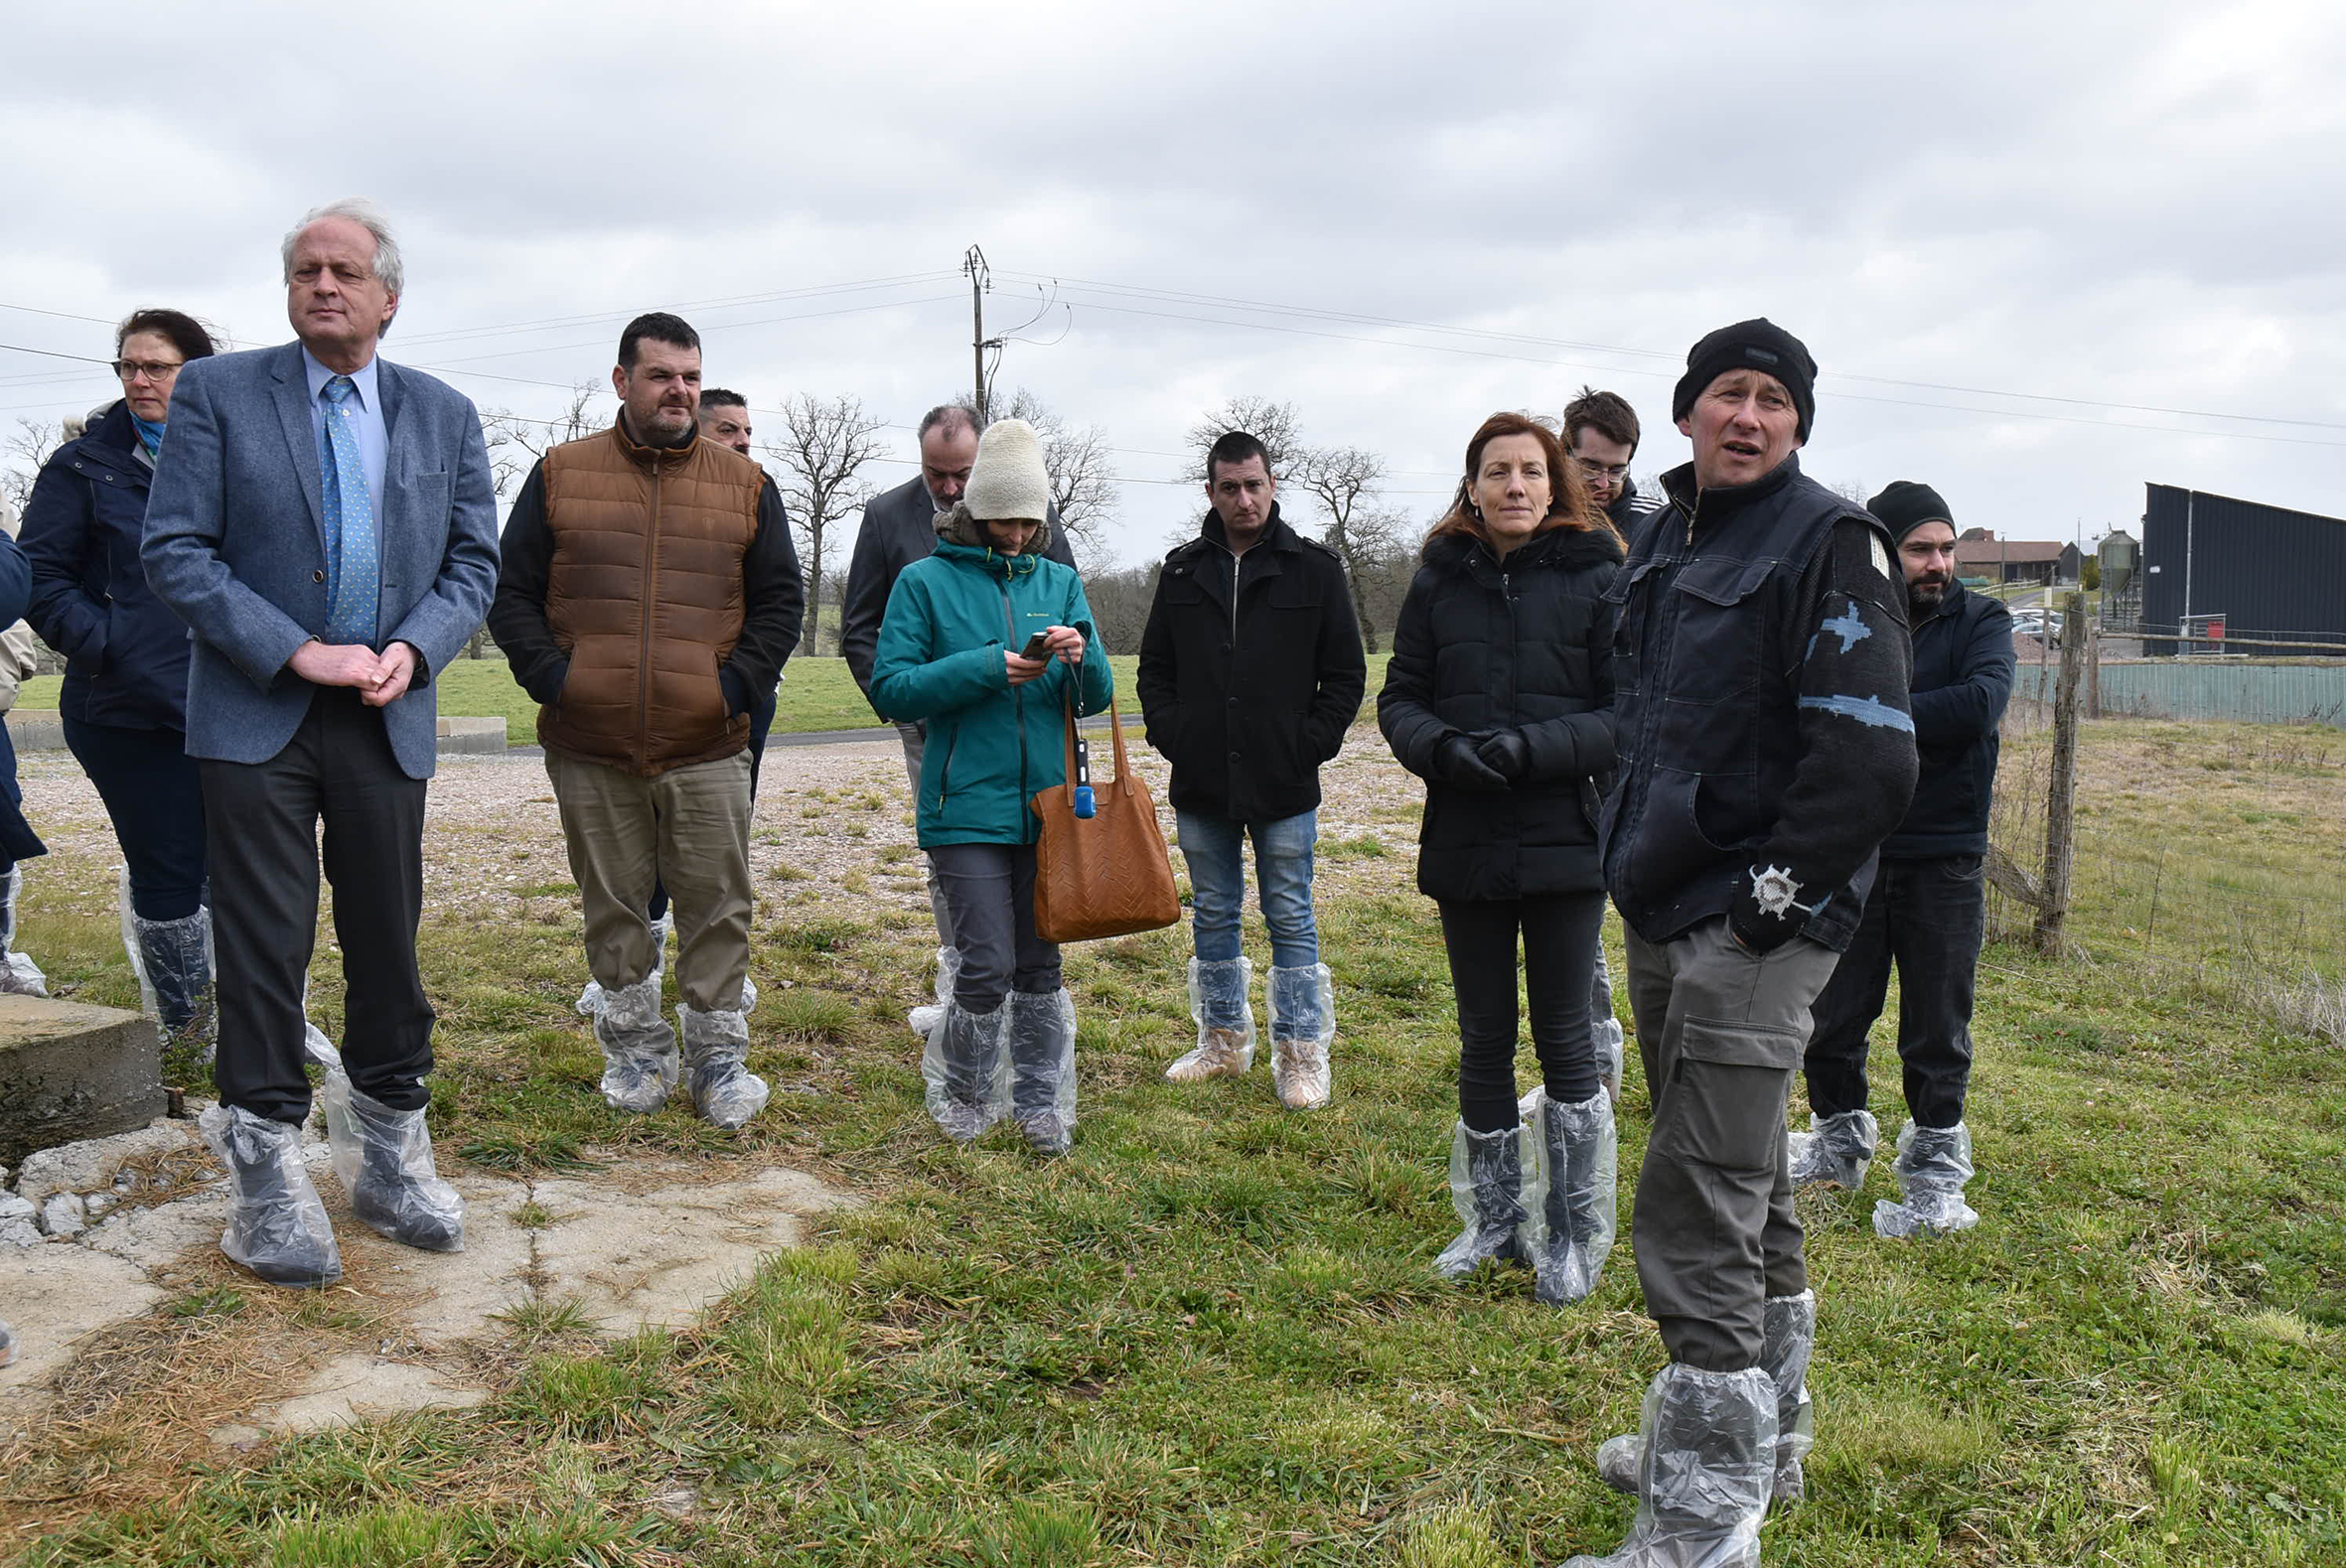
(383, 1158)
(1789, 1336)
(925, 1018)
(591, 1000)
(1217, 991)
(1835, 1150)
(277, 1228)
(725, 1092)
(1932, 1165)
(1604, 1028)
(967, 1071)
(316, 1048)
(1303, 1027)
(173, 962)
(7, 1345)
(640, 1064)
(19, 974)
(1577, 1204)
(1487, 1190)
(1043, 1067)
(1705, 1465)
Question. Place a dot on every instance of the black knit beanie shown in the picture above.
(1905, 507)
(1755, 345)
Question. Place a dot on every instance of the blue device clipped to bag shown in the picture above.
(1083, 806)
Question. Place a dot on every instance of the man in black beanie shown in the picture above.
(1928, 910)
(1766, 750)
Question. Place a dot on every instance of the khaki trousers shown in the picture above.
(688, 828)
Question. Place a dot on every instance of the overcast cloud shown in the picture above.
(2130, 203)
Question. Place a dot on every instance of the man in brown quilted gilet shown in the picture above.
(648, 592)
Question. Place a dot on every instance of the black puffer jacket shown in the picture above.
(1523, 641)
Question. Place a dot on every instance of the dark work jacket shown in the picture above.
(899, 527)
(1627, 508)
(1248, 691)
(126, 651)
(1760, 687)
(1520, 641)
(1963, 677)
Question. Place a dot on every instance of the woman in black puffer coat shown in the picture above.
(1500, 696)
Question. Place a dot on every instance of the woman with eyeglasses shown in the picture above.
(124, 702)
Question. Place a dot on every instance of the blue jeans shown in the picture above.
(1215, 847)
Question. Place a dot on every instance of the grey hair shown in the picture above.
(948, 417)
(359, 210)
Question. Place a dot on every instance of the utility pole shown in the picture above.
(974, 264)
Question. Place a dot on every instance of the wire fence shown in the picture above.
(2247, 690)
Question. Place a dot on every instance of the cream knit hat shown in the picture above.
(1008, 478)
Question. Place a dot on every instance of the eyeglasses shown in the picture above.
(1596, 470)
(136, 370)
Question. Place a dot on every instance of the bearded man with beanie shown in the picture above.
(953, 657)
(1928, 911)
(1766, 751)
(649, 592)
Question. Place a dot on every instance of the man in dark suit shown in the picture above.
(899, 528)
(326, 526)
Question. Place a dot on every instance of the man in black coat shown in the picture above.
(900, 528)
(1766, 751)
(1928, 910)
(1601, 436)
(1251, 671)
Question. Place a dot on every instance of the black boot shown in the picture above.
(174, 959)
(961, 1069)
(384, 1159)
(1043, 1068)
(1491, 1202)
(277, 1228)
(1578, 1140)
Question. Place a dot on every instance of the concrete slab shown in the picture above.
(351, 1388)
(69, 1072)
(54, 1295)
(465, 1291)
(92, 1164)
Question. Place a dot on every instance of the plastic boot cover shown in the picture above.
(1487, 1190)
(1577, 1145)
(1217, 1000)
(1604, 1028)
(1835, 1150)
(725, 1092)
(1707, 1461)
(1789, 1336)
(1303, 1027)
(1932, 1165)
(966, 1070)
(277, 1228)
(7, 1345)
(385, 1160)
(590, 1000)
(925, 1018)
(19, 974)
(1043, 1067)
(173, 960)
(640, 1064)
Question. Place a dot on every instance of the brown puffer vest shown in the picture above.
(645, 594)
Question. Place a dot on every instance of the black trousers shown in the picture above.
(262, 822)
(154, 795)
(1928, 917)
(1559, 937)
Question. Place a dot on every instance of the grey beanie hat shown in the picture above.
(1008, 480)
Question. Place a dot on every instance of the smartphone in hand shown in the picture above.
(1037, 646)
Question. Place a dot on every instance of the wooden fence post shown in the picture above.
(2093, 672)
(2061, 791)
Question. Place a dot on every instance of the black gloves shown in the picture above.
(1506, 752)
(1767, 913)
(1456, 762)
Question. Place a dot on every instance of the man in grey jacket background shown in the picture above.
(899, 528)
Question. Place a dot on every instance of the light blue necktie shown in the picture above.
(352, 559)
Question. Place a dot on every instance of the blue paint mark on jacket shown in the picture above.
(1865, 710)
(1847, 626)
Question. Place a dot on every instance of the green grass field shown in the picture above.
(1211, 1334)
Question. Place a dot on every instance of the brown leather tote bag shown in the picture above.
(1107, 874)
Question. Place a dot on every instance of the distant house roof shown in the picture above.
(2012, 552)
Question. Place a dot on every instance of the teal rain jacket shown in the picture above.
(990, 745)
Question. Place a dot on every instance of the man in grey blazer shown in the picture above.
(899, 528)
(324, 523)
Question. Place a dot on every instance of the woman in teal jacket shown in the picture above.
(950, 657)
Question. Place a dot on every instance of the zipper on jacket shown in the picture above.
(1017, 693)
(644, 622)
(945, 773)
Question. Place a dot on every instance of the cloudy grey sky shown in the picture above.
(1399, 216)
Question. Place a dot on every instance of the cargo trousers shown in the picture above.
(1720, 1030)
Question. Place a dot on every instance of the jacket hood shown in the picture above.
(958, 527)
(1566, 550)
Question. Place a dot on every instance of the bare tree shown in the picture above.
(825, 442)
(28, 446)
(1271, 423)
(1345, 480)
(517, 443)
